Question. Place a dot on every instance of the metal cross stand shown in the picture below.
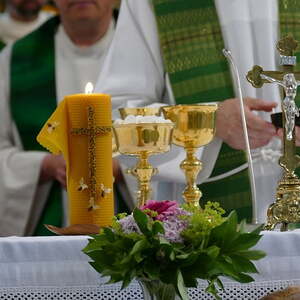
(286, 209)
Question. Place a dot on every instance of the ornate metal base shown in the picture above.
(286, 209)
(143, 171)
(191, 167)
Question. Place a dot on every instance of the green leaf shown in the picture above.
(172, 256)
(157, 227)
(213, 251)
(225, 233)
(244, 242)
(96, 266)
(227, 259)
(188, 259)
(93, 244)
(244, 278)
(243, 265)
(242, 226)
(258, 229)
(181, 287)
(226, 268)
(151, 269)
(211, 288)
(142, 221)
(252, 254)
(220, 283)
(164, 241)
(109, 234)
(139, 246)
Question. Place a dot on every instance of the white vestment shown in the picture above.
(133, 74)
(11, 29)
(22, 197)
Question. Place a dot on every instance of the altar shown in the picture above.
(55, 268)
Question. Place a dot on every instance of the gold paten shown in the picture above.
(194, 127)
(286, 209)
(143, 140)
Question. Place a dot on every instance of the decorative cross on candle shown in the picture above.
(92, 132)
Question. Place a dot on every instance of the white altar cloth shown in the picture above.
(55, 268)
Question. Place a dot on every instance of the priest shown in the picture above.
(38, 70)
(20, 18)
(172, 51)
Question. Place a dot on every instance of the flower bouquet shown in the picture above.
(167, 248)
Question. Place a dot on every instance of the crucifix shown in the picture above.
(286, 209)
(92, 132)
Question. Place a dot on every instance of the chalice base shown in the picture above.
(286, 209)
(192, 196)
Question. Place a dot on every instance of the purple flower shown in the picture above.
(174, 225)
(129, 225)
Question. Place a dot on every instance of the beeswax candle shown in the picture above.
(80, 129)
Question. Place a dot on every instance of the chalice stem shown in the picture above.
(144, 172)
(191, 167)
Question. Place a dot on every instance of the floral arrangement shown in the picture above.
(168, 247)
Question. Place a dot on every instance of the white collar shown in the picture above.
(68, 48)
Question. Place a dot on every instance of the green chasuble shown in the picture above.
(2, 45)
(191, 43)
(33, 99)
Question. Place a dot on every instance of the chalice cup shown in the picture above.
(143, 140)
(135, 111)
(139, 111)
(194, 127)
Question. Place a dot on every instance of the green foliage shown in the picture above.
(213, 246)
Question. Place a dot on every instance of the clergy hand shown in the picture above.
(117, 170)
(230, 128)
(297, 128)
(53, 168)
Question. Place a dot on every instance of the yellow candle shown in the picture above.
(81, 131)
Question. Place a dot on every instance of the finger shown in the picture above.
(256, 123)
(257, 143)
(297, 129)
(62, 181)
(62, 161)
(259, 104)
(61, 176)
(279, 133)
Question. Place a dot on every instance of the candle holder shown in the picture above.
(194, 127)
(143, 140)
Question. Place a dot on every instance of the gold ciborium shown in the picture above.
(143, 140)
(139, 111)
(135, 111)
(194, 127)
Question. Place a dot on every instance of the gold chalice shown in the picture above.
(143, 140)
(139, 111)
(194, 127)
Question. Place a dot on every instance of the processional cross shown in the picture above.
(92, 132)
(286, 209)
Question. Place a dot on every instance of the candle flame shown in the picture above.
(89, 88)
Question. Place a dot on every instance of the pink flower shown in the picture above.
(162, 208)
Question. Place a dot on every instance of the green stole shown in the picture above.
(33, 99)
(2, 45)
(191, 43)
